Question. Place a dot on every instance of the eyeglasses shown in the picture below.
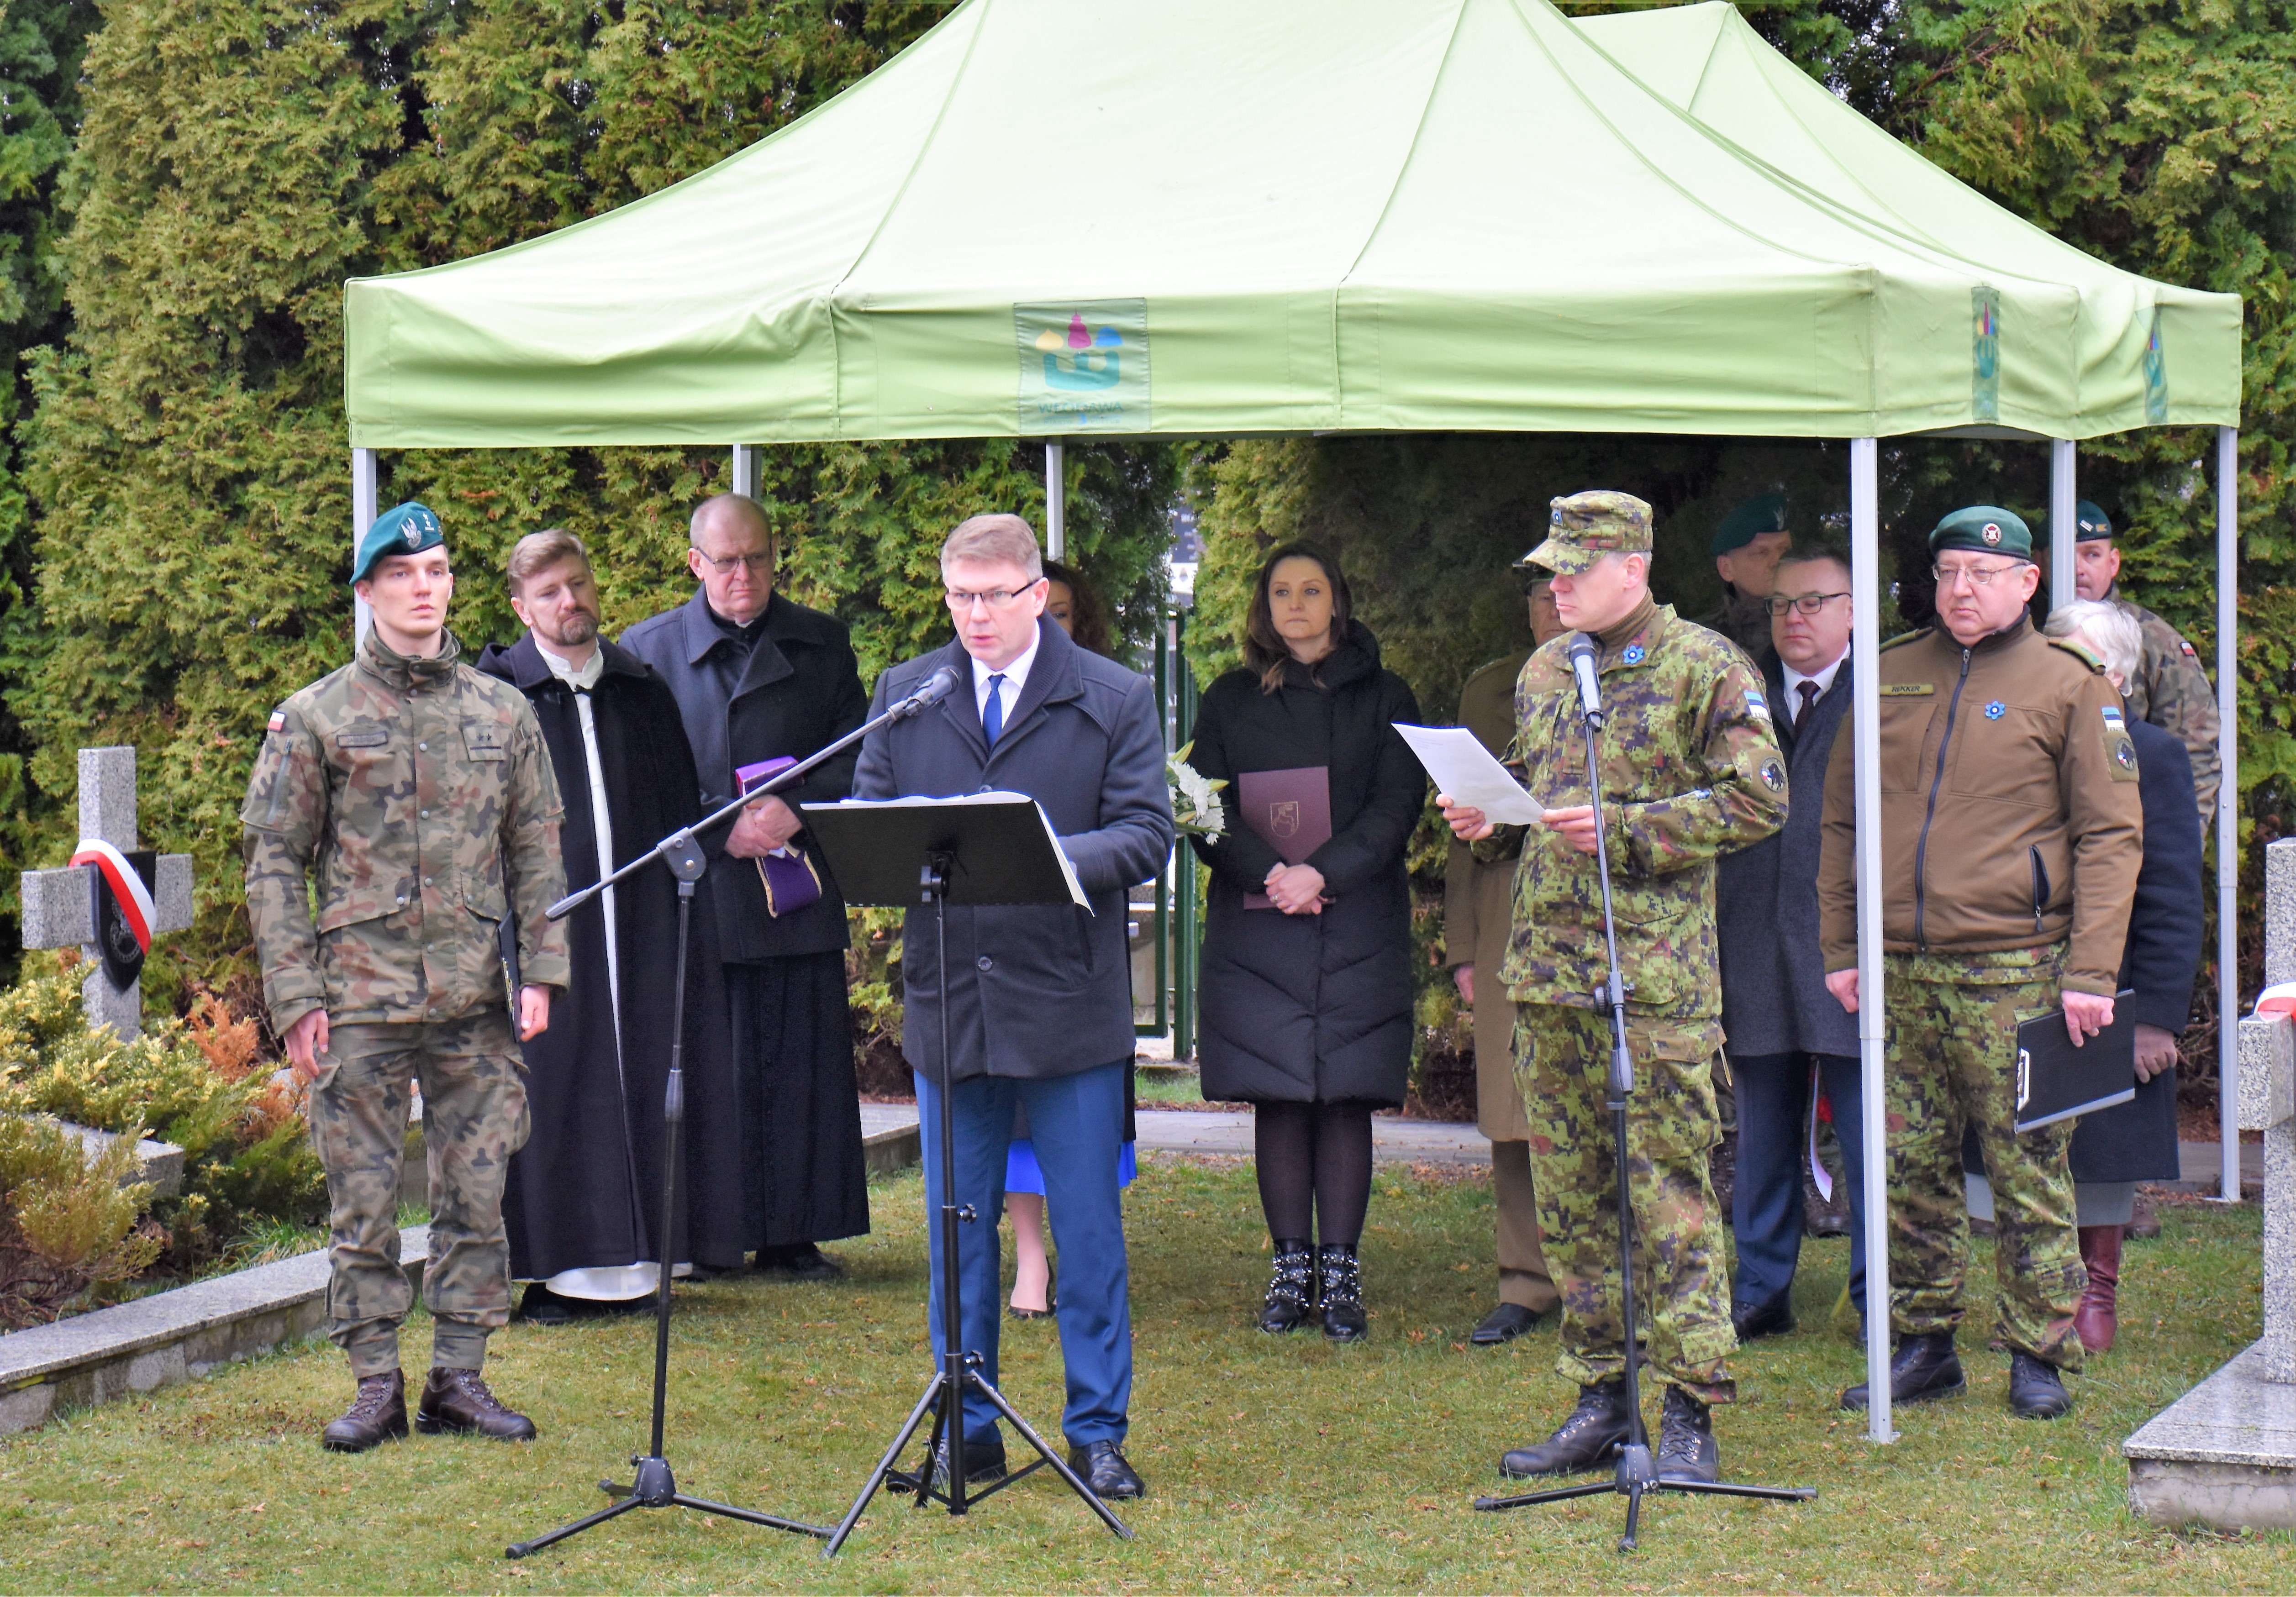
(1810, 605)
(752, 563)
(1979, 577)
(960, 600)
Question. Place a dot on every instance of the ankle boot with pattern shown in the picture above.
(1341, 1275)
(1290, 1289)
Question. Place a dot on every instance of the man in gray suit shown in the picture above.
(1785, 1028)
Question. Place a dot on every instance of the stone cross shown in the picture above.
(57, 911)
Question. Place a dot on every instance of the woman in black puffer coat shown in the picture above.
(1307, 1003)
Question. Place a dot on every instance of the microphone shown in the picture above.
(1582, 653)
(935, 688)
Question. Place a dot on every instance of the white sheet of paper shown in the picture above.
(1464, 771)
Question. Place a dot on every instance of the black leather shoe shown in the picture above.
(1686, 1448)
(1753, 1321)
(802, 1261)
(1290, 1287)
(1102, 1467)
(1923, 1368)
(2036, 1390)
(539, 1306)
(458, 1401)
(377, 1414)
(1596, 1429)
(1339, 1277)
(1502, 1325)
(1052, 1302)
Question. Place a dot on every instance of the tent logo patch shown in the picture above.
(1084, 367)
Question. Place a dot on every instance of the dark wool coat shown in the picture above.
(800, 691)
(1299, 1009)
(2137, 1141)
(586, 1190)
(1774, 997)
(1035, 990)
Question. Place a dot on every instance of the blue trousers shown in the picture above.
(1077, 1127)
(1766, 1209)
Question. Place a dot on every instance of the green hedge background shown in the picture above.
(184, 184)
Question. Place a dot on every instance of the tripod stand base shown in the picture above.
(1636, 1478)
(655, 1487)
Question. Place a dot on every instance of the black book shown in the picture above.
(2056, 1081)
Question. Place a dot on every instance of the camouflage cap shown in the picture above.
(2090, 522)
(1584, 527)
(407, 529)
(1986, 528)
(1764, 513)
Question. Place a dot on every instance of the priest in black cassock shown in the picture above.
(584, 1199)
(761, 679)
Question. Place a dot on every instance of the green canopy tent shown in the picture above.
(1298, 215)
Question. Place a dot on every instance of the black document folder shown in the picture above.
(2056, 1081)
(1001, 849)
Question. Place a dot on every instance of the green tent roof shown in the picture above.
(1192, 217)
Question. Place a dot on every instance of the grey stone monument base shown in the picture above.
(2224, 1454)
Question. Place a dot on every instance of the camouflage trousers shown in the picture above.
(1953, 1062)
(1682, 1285)
(474, 1118)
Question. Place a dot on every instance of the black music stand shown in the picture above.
(988, 848)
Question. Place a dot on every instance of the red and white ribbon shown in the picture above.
(127, 886)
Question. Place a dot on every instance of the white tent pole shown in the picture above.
(1865, 735)
(748, 462)
(1056, 500)
(2228, 809)
(2063, 532)
(363, 511)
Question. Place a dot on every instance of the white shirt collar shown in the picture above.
(1015, 675)
(1824, 680)
(582, 678)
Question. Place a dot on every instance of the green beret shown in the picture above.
(1986, 528)
(2090, 523)
(1581, 528)
(1763, 513)
(407, 529)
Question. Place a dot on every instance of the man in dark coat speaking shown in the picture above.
(584, 1197)
(760, 678)
(1040, 997)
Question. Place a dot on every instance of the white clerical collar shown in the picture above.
(582, 678)
(1824, 680)
(1015, 675)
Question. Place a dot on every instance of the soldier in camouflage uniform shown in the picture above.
(1747, 545)
(2012, 830)
(2171, 689)
(417, 794)
(1690, 769)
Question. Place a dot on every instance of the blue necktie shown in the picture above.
(992, 714)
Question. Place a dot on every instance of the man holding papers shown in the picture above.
(2011, 828)
(1040, 997)
(1690, 769)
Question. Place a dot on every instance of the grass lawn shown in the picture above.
(1272, 1464)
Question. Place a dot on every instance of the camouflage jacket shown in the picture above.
(2172, 691)
(1690, 770)
(413, 792)
(1745, 620)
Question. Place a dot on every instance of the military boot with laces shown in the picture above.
(1686, 1448)
(457, 1400)
(377, 1414)
(1596, 1429)
(1290, 1289)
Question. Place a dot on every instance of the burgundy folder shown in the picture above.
(1290, 811)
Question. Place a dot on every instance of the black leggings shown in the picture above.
(1315, 1160)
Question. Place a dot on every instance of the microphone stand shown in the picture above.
(1637, 1473)
(653, 1484)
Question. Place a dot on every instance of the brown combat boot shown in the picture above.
(377, 1414)
(457, 1400)
(2098, 1317)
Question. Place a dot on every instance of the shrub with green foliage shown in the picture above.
(68, 1220)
